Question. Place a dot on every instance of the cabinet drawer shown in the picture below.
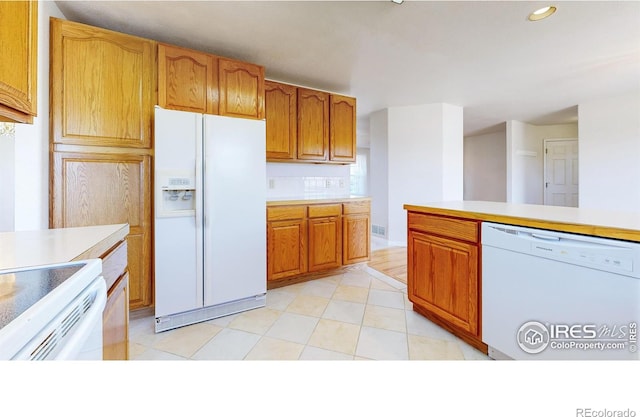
(325, 210)
(356, 207)
(285, 212)
(114, 263)
(444, 226)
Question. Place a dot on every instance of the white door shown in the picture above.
(561, 172)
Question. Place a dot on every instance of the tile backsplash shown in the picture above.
(301, 181)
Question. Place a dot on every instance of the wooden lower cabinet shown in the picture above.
(115, 318)
(113, 251)
(356, 238)
(444, 278)
(115, 321)
(306, 239)
(325, 243)
(286, 248)
(444, 274)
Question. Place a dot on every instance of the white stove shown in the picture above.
(52, 312)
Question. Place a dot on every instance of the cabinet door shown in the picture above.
(241, 89)
(356, 238)
(325, 243)
(342, 128)
(443, 278)
(103, 86)
(18, 66)
(281, 117)
(286, 248)
(187, 80)
(94, 189)
(115, 321)
(313, 125)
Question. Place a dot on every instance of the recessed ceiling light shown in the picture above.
(542, 13)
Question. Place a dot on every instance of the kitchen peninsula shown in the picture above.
(445, 253)
(52, 246)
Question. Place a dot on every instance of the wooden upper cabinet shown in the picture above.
(342, 128)
(313, 124)
(280, 114)
(103, 86)
(187, 80)
(18, 66)
(241, 89)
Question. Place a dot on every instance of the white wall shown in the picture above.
(32, 141)
(7, 175)
(424, 159)
(609, 153)
(452, 167)
(525, 158)
(378, 168)
(485, 167)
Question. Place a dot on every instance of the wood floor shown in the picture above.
(390, 261)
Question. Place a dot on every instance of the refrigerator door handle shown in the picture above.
(199, 195)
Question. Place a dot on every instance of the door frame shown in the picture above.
(544, 165)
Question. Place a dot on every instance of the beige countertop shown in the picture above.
(50, 246)
(314, 200)
(613, 224)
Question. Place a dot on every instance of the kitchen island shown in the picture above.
(445, 254)
(53, 246)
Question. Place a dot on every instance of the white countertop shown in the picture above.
(50, 246)
(495, 211)
(314, 199)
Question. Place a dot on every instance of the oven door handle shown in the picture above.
(77, 342)
(66, 336)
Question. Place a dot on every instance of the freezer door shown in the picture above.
(235, 209)
(177, 238)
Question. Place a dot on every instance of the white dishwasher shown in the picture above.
(552, 295)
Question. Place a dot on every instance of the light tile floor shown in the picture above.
(356, 314)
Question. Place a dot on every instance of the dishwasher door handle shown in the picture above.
(545, 237)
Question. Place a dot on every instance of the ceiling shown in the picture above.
(484, 56)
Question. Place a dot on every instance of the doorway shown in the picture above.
(561, 172)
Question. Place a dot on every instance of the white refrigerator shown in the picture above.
(210, 217)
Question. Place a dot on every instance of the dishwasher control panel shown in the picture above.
(600, 253)
(574, 250)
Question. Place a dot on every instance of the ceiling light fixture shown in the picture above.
(397, 1)
(542, 13)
